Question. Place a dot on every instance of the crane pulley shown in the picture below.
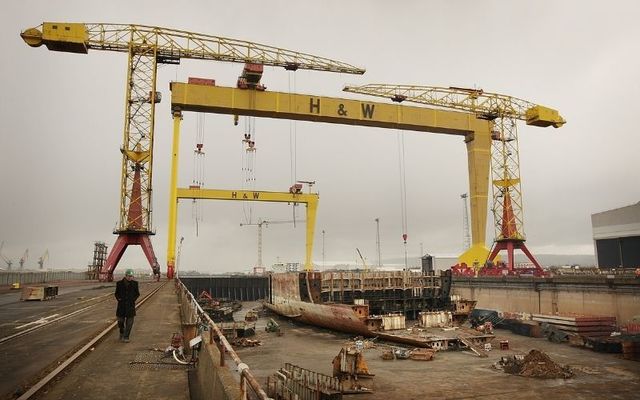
(148, 46)
(502, 111)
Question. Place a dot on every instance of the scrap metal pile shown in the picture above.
(218, 309)
(536, 364)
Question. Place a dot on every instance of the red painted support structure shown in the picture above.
(510, 240)
(135, 234)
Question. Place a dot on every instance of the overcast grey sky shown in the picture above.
(62, 118)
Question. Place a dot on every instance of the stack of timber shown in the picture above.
(584, 325)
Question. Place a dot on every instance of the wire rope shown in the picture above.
(403, 192)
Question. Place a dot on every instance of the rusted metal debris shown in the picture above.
(218, 309)
(292, 382)
(251, 315)
(422, 354)
(536, 364)
(244, 342)
(351, 369)
(399, 353)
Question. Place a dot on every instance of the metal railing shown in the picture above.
(247, 380)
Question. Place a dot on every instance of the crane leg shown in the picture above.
(510, 245)
(118, 249)
(173, 197)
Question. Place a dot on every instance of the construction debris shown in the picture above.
(479, 351)
(272, 326)
(400, 353)
(351, 369)
(536, 364)
(244, 342)
(251, 315)
(296, 383)
(422, 354)
(220, 310)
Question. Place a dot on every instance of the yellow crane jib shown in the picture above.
(172, 45)
(485, 105)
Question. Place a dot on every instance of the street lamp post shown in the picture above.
(323, 266)
(378, 241)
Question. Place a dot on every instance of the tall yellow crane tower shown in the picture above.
(503, 112)
(148, 46)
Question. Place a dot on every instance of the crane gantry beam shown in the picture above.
(148, 46)
(226, 100)
(502, 111)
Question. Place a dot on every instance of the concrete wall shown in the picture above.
(214, 381)
(26, 277)
(550, 296)
(210, 380)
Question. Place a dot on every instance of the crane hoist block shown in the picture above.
(250, 78)
(543, 117)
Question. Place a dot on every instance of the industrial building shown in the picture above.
(616, 237)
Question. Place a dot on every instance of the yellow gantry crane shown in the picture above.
(148, 46)
(503, 112)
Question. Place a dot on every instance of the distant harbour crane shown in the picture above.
(8, 261)
(43, 258)
(259, 225)
(24, 258)
(364, 264)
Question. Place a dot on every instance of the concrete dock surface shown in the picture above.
(134, 370)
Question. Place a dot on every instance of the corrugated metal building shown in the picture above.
(616, 235)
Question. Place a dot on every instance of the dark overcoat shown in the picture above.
(126, 293)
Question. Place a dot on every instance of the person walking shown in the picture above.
(126, 293)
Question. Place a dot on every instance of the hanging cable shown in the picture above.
(403, 193)
(198, 169)
(293, 140)
(248, 164)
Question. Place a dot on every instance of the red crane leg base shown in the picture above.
(124, 240)
(510, 246)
